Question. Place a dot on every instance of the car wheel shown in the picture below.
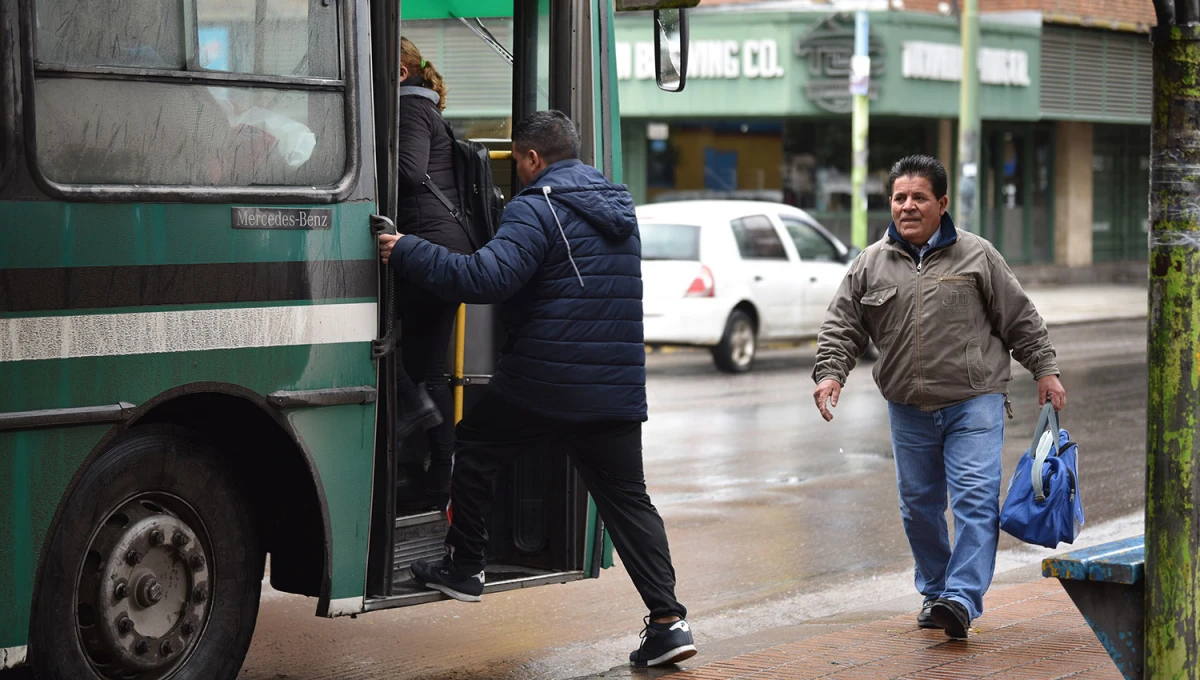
(738, 345)
(154, 571)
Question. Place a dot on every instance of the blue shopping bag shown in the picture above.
(1043, 505)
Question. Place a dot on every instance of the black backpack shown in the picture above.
(481, 200)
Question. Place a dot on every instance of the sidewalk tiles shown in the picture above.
(1029, 631)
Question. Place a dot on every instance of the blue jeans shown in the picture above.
(956, 449)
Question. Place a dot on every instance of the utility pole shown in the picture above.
(966, 205)
(1173, 344)
(860, 88)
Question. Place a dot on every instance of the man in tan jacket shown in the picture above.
(945, 312)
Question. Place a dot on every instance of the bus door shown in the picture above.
(540, 515)
(496, 60)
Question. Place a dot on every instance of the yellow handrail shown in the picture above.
(460, 327)
(460, 347)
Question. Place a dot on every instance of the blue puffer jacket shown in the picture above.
(566, 261)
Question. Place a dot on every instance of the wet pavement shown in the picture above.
(1030, 631)
(778, 521)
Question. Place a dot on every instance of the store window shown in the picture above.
(714, 160)
(1017, 191)
(1120, 175)
(818, 159)
(116, 99)
(757, 239)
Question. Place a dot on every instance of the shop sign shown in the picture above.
(829, 51)
(943, 61)
(720, 59)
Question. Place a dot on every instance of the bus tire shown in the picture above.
(739, 344)
(154, 569)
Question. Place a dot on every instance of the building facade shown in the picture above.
(1065, 105)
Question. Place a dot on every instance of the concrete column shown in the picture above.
(1073, 194)
(945, 154)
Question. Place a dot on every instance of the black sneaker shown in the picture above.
(951, 617)
(663, 643)
(443, 576)
(925, 618)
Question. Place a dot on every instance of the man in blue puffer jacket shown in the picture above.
(566, 264)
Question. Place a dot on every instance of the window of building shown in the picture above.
(190, 93)
(757, 239)
(810, 244)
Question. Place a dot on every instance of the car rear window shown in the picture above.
(670, 242)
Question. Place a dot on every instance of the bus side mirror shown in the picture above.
(670, 49)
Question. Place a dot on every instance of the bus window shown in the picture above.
(131, 33)
(274, 37)
(116, 97)
(7, 98)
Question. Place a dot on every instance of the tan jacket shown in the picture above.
(944, 329)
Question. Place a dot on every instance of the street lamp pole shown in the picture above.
(1173, 344)
(967, 204)
(860, 84)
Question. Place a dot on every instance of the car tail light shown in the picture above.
(703, 285)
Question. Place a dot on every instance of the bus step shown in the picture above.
(417, 537)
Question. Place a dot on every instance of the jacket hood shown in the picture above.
(588, 194)
(947, 235)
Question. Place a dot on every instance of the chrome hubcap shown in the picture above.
(143, 593)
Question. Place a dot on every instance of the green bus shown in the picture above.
(195, 335)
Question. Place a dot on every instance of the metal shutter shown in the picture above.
(1095, 75)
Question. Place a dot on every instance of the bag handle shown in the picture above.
(1044, 441)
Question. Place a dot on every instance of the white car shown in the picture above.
(729, 274)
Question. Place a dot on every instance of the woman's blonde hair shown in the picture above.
(410, 57)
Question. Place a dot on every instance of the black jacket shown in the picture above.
(566, 263)
(425, 148)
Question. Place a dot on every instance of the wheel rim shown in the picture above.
(741, 343)
(143, 593)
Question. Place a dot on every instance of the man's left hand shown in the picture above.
(386, 243)
(1050, 388)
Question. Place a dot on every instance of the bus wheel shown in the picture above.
(154, 570)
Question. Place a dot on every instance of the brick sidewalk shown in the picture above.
(1030, 631)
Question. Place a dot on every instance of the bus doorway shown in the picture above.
(542, 529)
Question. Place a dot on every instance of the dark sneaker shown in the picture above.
(441, 575)
(951, 617)
(925, 618)
(664, 643)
